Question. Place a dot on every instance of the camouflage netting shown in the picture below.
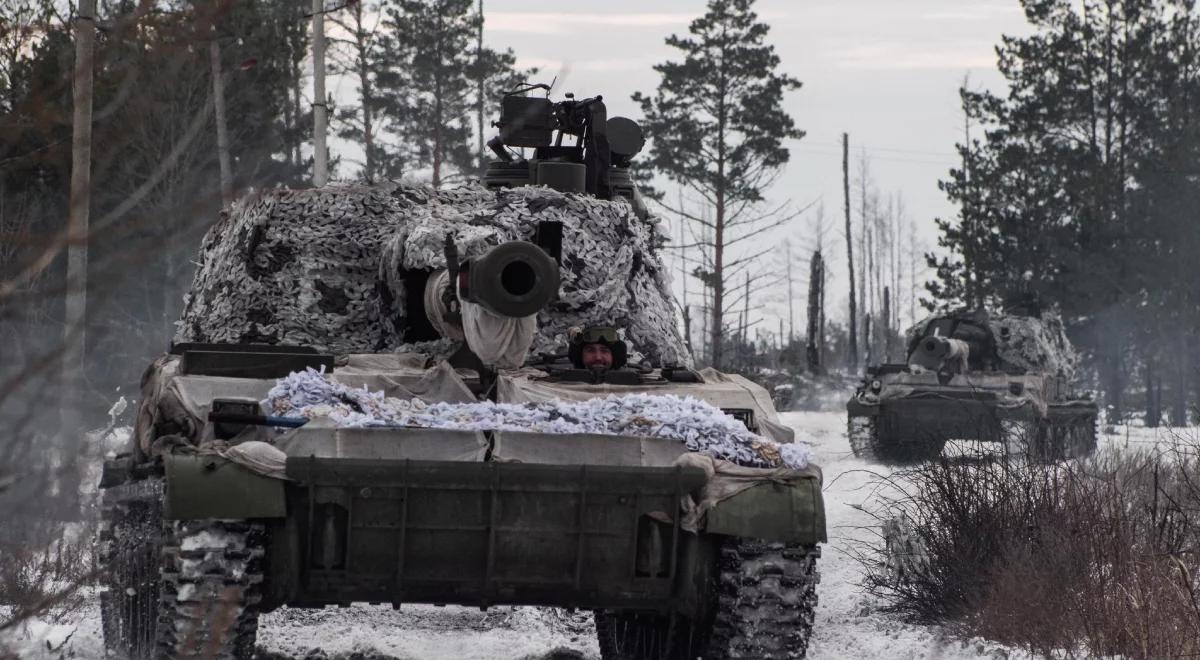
(1025, 342)
(325, 268)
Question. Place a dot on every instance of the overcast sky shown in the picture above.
(885, 71)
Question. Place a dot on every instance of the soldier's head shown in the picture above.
(597, 347)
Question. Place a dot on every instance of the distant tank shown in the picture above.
(979, 377)
(235, 499)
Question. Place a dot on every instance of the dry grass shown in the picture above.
(42, 566)
(1078, 560)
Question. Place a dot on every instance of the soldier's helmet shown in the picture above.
(597, 334)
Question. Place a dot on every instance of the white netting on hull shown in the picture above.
(327, 268)
(699, 425)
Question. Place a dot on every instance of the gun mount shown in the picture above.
(596, 164)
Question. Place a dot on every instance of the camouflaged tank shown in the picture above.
(975, 376)
(314, 437)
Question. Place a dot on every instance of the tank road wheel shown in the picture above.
(872, 439)
(904, 550)
(1020, 437)
(766, 600)
(863, 439)
(1083, 434)
(1076, 436)
(127, 555)
(211, 587)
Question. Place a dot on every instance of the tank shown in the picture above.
(370, 399)
(975, 376)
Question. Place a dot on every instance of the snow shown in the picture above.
(849, 623)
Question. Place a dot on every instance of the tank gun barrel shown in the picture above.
(513, 279)
(934, 353)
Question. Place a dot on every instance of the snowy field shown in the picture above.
(848, 623)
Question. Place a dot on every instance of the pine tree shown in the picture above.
(718, 128)
(1073, 196)
(435, 39)
(381, 106)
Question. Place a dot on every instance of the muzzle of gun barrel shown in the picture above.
(513, 279)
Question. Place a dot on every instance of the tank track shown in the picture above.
(861, 433)
(175, 589)
(871, 442)
(767, 599)
(1050, 440)
(211, 588)
(127, 557)
(763, 604)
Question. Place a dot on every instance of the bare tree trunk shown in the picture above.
(887, 324)
(816, 291)
(791, 296)
(687, 328)
(867, 339)
(298, 157)
(1153, 405)
(864, 230)
(479, 148)
(718, 296)
(1180, 390)
(746, 317)
(973, 293)
(912, 265)
(74, 366)
(852, 358)
(320, 110)
(437, 136)
(822, 356)
(214, 58)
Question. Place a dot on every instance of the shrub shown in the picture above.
(1093, 558)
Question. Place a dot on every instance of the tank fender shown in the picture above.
(214, 487)
(788, 511)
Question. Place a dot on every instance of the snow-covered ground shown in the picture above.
(848, 622)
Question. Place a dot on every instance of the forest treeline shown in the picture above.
(1082, 192)
(423, 85)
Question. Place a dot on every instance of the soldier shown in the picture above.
(597, 347)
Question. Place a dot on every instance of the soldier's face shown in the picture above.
(597, 355)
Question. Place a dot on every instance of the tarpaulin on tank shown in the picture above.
(327, 268)
(181, 403)
(726, 480)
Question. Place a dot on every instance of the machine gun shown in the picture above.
(597, 163)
